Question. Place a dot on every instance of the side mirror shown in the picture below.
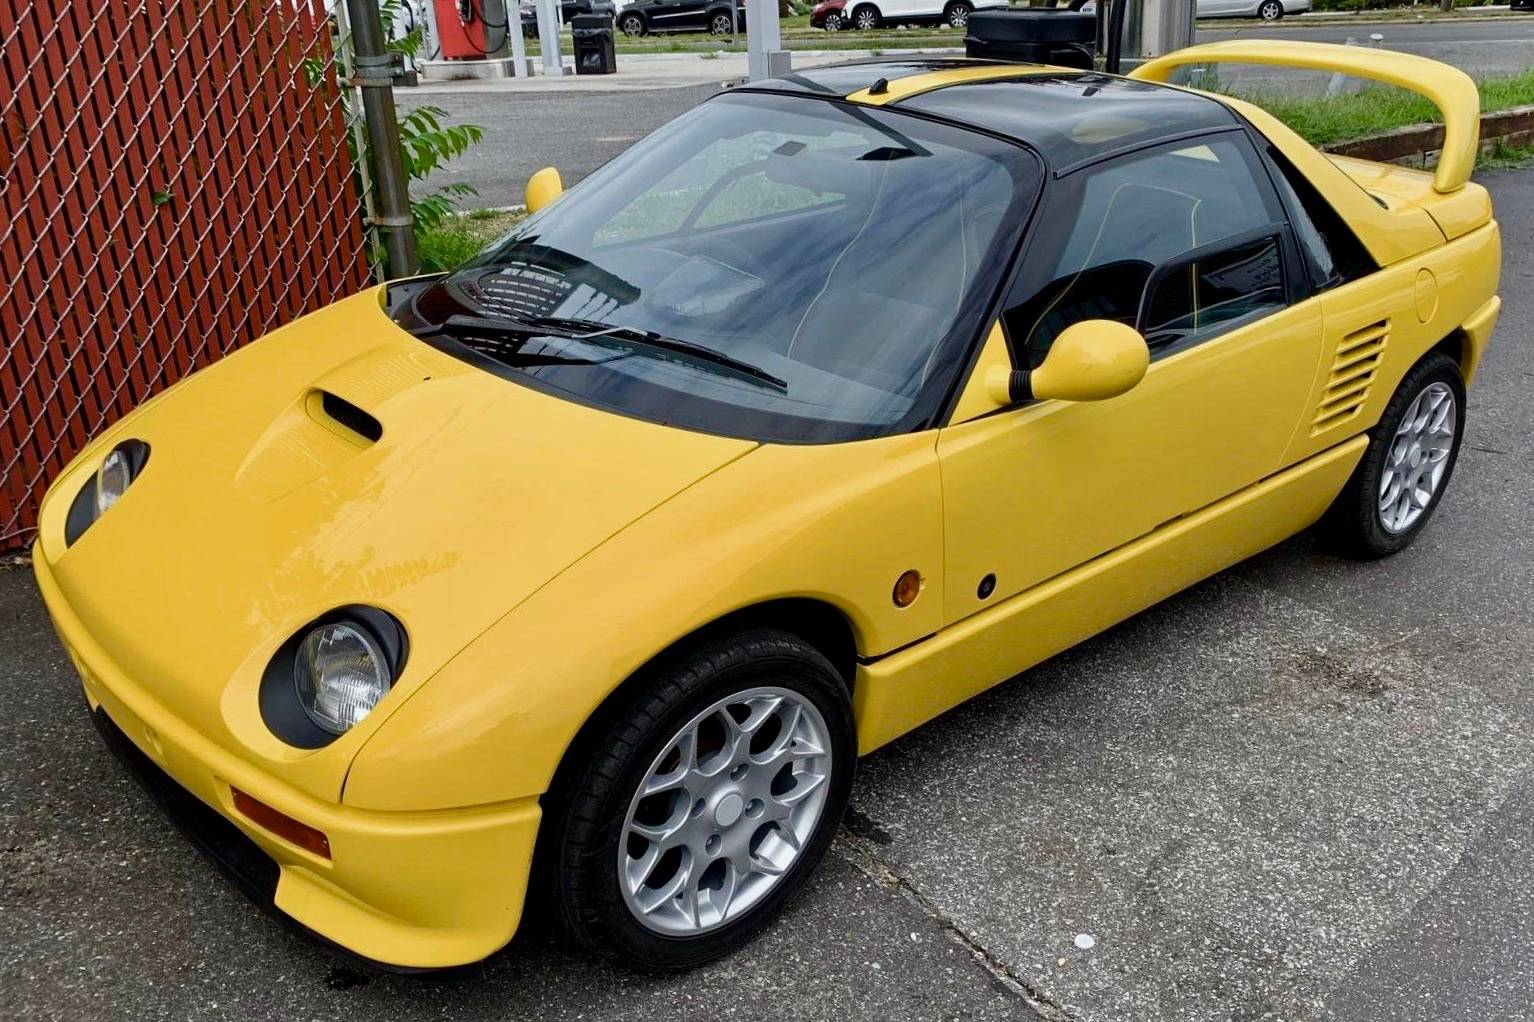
(1090, 361)
(542, 188)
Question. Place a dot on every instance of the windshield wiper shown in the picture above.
(508, 335)
(483, 326)
(633, 337)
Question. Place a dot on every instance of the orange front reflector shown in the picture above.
(285, 827)
(907, 588)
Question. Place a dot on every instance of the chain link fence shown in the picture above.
(175, 181)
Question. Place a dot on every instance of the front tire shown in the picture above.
(834, 22)
(1270, 10)
(707, 803)
(721, 24)
(866, 18)
(1406, 468)
(632, 25)
(956, 14)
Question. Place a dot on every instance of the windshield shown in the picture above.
(771, 267)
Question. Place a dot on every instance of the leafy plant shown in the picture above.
(427, 141)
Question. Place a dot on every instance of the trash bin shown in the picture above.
(1033, 35)
(594, 52)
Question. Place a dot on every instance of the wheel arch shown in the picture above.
(819, 623)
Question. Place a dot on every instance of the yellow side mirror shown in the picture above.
(542, 188)
(1090, 361)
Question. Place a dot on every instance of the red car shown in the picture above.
(829, 15)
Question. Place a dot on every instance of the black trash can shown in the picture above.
(594, 52)
(1033, 35)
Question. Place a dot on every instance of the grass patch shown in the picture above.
(1321, 120)
(459, 238)
(1505, 157)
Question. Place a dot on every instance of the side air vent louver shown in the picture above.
(350, 416)
(1354, 367)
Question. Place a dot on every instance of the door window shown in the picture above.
(1209, 292)
(1121, 220)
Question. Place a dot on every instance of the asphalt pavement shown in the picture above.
(1302, 790)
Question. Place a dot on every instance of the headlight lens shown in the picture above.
(106, 487)
(112, 479)
(341, 672)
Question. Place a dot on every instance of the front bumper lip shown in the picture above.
(407, 890)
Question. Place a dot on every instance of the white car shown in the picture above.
(1267, 10)
(870, 14)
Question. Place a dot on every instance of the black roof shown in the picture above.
(1069, 116)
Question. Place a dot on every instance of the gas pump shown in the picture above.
(474, 29)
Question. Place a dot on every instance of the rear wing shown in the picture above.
(1449, 89)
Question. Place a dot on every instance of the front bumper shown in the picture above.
(414, 890)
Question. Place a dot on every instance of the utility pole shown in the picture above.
(373, 69)
(765, 56)
(1155, 27)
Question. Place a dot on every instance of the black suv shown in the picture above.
(719, 17)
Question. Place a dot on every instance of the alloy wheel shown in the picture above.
(865, 20)
(1417, 458)
(724, 811)
(958, 16)
(1270, 11)
(721, 24)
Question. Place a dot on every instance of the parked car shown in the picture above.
(870, 14)
(829, 405)
(567, 9)
(717, 17)
(1267, 10)
(831, 15)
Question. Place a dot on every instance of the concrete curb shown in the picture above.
(1419, 144)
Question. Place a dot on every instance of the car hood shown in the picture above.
(257, 512)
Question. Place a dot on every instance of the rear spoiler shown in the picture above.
(1449, 89)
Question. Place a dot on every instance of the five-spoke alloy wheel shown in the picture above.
(704, 801)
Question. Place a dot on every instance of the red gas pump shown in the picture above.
(467, 31)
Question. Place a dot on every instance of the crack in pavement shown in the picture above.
(864, 856)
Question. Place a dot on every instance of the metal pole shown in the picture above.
(548, 37)
(374, 77)
(765, 56)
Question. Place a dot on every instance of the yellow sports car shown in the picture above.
(591, 568)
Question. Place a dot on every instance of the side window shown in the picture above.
(1213, 291)
(1333, 253)
(1122, 220)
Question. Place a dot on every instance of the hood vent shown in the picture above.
(1354, 367)
(350, 416)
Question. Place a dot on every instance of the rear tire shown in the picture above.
(736, 817)
(865, 18)
(632, 25)
(956, 14)
(1270, 10)
(1406, 468)
(834, 22)
(720, 24)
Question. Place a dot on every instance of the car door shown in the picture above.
(677, 16)
(1190, 243)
